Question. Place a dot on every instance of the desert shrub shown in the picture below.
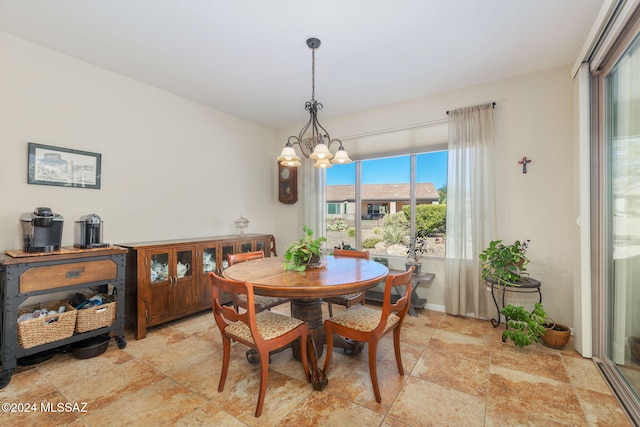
(398, 219)
(370, 243)
(431, 219)
(351, 232)
(394, 235)
(396, 228)
(337, 224)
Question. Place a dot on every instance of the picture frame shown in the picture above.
(49, 165)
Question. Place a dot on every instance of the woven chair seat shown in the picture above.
(264, 303)
(348, 297)
(270, 325)
(363, 318)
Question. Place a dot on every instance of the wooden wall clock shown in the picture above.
(287, 184)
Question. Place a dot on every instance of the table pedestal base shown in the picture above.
(310, 310)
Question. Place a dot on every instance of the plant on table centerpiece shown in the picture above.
(415, 250)
(504, 263)
(299, 254)
(524, 327)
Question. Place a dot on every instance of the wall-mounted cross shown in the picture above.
(524, 162)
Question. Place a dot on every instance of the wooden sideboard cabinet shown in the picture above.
(167, 280)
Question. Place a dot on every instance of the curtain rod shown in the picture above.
(494, 106)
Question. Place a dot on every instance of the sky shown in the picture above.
(432, 167)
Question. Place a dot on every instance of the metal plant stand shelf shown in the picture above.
(69, 269)
(525, 286)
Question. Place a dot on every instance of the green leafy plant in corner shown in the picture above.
(298, 254)
(504, 263)
(524, 327)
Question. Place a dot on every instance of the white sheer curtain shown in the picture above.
(471, 222)
(313, 199)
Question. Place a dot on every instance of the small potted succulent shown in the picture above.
(415, 250)
(504, 263)
(305, 252)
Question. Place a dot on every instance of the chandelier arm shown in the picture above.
(335, 140)
(296, 140)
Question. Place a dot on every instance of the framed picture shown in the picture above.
(62, 166)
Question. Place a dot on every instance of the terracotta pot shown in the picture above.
(556, 336)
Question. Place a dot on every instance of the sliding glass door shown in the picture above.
(618, 251)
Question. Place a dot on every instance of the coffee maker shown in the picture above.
(88, 232)
(41, 230)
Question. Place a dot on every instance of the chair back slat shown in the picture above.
(401, 306)
(244, 256)
(350, 253)
(225, 314)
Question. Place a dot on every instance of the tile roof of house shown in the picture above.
(425, 192)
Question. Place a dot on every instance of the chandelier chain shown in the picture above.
(316, 145)
(313, 75)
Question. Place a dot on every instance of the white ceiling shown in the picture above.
(249, 57)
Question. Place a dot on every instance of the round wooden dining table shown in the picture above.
(336, 276)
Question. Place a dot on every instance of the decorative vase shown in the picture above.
(556, 336)
(314, 261)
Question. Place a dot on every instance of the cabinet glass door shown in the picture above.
(227, 249)
(246, 247)
(260, 246)
(184, 262)
(209, 260)
(159, 267)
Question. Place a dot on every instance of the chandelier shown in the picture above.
(314, 140)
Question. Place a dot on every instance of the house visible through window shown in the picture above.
(379, 219)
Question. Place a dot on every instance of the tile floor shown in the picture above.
(457, 373)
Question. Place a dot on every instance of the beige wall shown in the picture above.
(533, 118)
(171, 168)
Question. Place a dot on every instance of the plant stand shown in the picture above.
(526, 286)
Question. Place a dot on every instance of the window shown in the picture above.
(370, 205)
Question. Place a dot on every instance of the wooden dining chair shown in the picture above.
(264, 331)
(262, 302)
(273, 245)
(366, 324)
(351, 299)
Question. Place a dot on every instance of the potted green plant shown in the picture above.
(504, 263)
(415, 250)
(305, 251)
(524, 327)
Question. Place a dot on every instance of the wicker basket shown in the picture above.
(46, 329)
(97, 317)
